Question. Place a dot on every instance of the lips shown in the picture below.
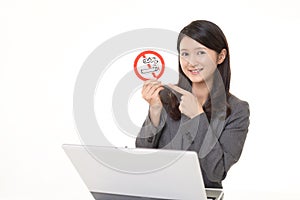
(195, 71)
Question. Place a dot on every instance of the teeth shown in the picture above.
(196, 70)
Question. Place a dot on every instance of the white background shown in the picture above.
(44, 43)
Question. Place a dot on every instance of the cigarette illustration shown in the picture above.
(149, 70)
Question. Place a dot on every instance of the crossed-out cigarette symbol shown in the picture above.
(153, 65)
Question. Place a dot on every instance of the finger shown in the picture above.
(180, 108)
(178, 89)
(148, 85)
(182, 97)
(154, 96)
(153, 89)
(156, 92)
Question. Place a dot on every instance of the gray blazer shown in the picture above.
(219, 143)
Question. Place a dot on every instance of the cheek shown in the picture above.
(211, 60)
(183, 62)
(210, 63)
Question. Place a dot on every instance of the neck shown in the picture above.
(201, 90)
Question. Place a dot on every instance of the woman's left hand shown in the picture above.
(189, 104)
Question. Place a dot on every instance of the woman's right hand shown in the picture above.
(150, 93)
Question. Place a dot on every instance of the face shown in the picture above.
(197, 62)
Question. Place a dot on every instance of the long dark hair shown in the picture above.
(211, 36)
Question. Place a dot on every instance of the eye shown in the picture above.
(201, 52)
(184, 54)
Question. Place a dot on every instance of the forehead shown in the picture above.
(188, 43)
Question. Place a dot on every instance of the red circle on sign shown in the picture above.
(143, 54)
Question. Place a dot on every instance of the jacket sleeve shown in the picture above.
(149, 134)
(219, 151)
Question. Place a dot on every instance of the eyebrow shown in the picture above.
(194, 49)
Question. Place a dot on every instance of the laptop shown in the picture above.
(140, 174)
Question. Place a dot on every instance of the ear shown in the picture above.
(221, 56)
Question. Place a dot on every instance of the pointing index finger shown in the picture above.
(177, 89)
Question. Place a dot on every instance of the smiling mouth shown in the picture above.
(195, 71)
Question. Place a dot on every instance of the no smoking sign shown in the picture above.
(149, 65)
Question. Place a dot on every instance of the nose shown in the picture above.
(192, 60)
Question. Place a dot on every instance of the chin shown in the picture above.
(196, 79)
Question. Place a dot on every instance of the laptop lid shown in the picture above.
(153, 173)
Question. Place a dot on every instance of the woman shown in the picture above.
(199, 113)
